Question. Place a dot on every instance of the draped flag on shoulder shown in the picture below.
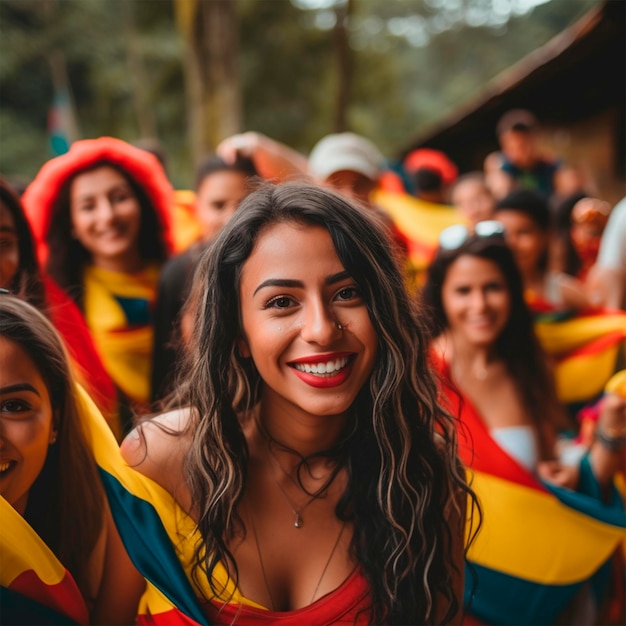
(538, 544)
(159, 536)
(35, 587)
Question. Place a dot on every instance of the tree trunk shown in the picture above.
(139, 82)
(344, 65)
(211, 71)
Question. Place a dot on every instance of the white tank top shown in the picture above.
(519, 442)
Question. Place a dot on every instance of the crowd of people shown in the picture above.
(324, 392)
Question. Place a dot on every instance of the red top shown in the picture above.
(348, 604)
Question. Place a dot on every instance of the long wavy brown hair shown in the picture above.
(399, 447)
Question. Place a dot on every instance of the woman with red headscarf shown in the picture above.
(101, 217)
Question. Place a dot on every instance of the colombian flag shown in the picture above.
(35, 587)
(159, 536)
(586, 348)
(538, 544)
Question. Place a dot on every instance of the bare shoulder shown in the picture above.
(157, 447)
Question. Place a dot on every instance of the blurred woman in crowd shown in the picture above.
(20, 274)
(101, 214)
(580, 221)
(496, 380)
(220, 187)
(471, 195)
(526, 219)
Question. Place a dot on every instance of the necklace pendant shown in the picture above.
(299, 521)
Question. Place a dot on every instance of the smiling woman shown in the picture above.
(497, 380)
(62, 559)
(101, 218)
(307, 445)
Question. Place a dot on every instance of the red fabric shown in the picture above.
(390, 181)
(476, 447)
(39, 197)
(348, 604)
(63, 597)
(432, 160)
(69, 321)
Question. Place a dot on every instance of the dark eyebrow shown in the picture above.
(335, 278)
(279, 282)
(121, 186)
(7, 229)
(288, 282)
(19, 387)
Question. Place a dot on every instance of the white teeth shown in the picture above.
(4, 467)
(330, 367)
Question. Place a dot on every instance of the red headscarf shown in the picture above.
(140, 165)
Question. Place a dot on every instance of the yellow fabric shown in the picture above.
(180, 528)
(547, 525)
(186, 228)
(33, 553)
(563, 336)
(583, 376)
(418, 219)
(126, 352)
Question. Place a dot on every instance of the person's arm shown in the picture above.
(572, 292)
(121, 585)
(606, 454)
(607, 451)
(606, 281)
(271, 158)
(606, 287)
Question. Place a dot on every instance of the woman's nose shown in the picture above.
(320, 325)
(105, 209)
(479, 300)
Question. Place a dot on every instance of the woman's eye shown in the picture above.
(348, 293)
(8, 243)
(13, 406)
(281, 302)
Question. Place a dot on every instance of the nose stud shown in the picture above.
(339, 326)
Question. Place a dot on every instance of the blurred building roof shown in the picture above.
(579, 73)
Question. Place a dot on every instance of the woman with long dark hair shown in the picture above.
(308, 445)
(541, 501)
(101, 218)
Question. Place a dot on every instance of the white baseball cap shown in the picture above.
(345, 152)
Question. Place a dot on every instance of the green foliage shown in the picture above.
(414, 62)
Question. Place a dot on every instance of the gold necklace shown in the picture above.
(264, 574)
